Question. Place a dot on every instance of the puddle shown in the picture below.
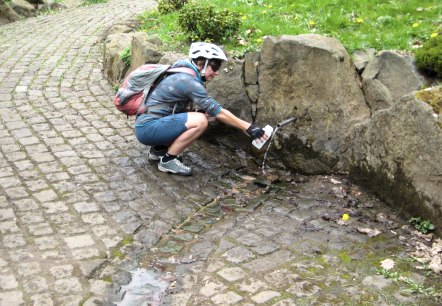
(147, 288)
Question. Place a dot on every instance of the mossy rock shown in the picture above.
(433, 97)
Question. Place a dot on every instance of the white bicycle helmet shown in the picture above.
(206, 50)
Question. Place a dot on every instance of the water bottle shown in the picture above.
(258, 143)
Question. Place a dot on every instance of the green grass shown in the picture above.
(90, 2)
(357, 24)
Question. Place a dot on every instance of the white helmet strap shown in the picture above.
(203, 72)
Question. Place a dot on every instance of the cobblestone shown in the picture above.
(81, 207)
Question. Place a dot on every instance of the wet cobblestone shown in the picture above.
(82, 209)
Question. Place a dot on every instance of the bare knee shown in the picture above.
(197, 121)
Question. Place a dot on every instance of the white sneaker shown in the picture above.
(174, 166)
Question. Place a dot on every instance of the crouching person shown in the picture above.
(168, 127)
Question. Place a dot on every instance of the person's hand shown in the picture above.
(255, 132)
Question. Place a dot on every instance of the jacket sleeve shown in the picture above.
(199, 96)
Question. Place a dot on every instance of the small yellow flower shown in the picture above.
(345, 217)
(244, 17)
(359, 20)
(415, 25)
(259, 40)
(433, 35)
(311, 23)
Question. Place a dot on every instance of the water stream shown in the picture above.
(282, 123)
(267, 150)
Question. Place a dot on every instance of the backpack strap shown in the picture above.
(182, 69)
(175, 70)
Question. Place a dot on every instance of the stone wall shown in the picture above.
(366, 118)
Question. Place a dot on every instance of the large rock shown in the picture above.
(229, 90)
(251, 64)
(362, 57)
(389, 77)
(48, 4)
(170, 58)
(311, 77)
(7, 14)
(397, 154)
(23, 8)
(114, 67)
(143, 51)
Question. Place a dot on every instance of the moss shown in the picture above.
(433, 98)
(107, 279)
(126, 240)
(429, 57)
(345, 258)
(116, 253)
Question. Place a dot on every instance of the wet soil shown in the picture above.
(275, 237)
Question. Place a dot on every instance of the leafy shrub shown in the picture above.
(169, 6)
(423, 226)
(125, 56)
(204, 23)
(429, 57)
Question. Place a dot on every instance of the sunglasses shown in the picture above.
(215, 66)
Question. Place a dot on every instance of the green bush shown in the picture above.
(204, 23)
(169, 6)
(429, 57)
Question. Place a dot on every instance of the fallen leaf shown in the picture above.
(428, 237)
(243, 42)
(370, 232)
(248, 178)
(339, 192)
(355, 191)
(336, 182)
(272, 178)
(437, 247)
(341, 222)
(387, 264)
(436, 264)
(234, 190)
(381, 217)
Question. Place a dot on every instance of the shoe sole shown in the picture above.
(173, 172)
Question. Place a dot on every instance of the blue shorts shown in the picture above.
(162, 131)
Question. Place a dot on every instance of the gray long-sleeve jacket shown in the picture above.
(178, 89)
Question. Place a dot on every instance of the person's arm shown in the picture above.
(225, 116)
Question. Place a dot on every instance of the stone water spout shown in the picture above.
(279, 125)
(287, 121)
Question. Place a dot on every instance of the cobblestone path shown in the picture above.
(86, 219)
